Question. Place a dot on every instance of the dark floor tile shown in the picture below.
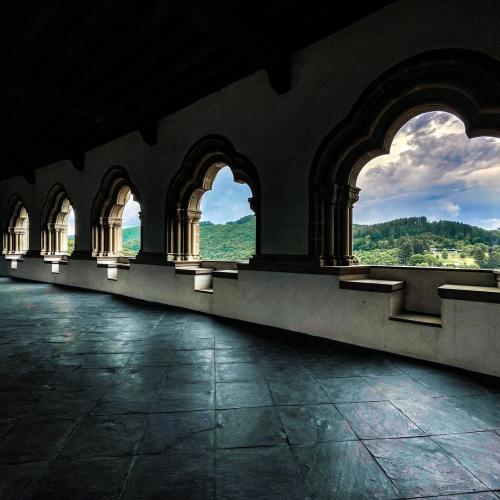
(142, 376)
(190, 374)
(116, 435)
(315, 423)
(486, 408)
(438, 416)
(373, 365)
(350, 390)
(242, 394)
(16, 480)
(80, 378)
(188, 343)
(237, 342)
(35, 438)
(264, 473)
(170, 357)
(284, 371)
(185, 397)
(398, 387)
(328, 368)
(193, 430)
(188, 475)
(483, 495)
(123, 347)
(342, 471)
(83, 479)
(479, 452)
(64, 404)
(449, 384)
(234, 356)
(419, 467)
(379, 419)
(238, 372)
(296, 392)
(249, 427)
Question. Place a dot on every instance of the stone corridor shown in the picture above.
(106, 398)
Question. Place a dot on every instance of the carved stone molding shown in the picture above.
(463, 82)
(196, 177)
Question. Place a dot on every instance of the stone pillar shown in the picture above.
(193, 234)
(338, 224)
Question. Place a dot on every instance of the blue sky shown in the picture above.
(435, 170)
(227, 201)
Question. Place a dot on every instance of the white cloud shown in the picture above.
(443, 209)
(431, 159)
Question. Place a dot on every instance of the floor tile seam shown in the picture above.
(51, 460)
(366, 448)
(451, 455)
(283, 427)
(381, 468)
(441, 496)
(407, 417)
(424, 434)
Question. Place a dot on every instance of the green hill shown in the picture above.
(230, 241)
(407, 241)
(416, 241)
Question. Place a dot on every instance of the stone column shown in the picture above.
(193, 234)
(339, 224)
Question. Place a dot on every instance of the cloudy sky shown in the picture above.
(433, 169)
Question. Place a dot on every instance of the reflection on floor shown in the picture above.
(104, 398)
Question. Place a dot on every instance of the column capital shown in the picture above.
(344, 195)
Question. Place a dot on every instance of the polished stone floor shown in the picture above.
(106, 398)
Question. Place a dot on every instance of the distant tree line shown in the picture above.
(415, 241)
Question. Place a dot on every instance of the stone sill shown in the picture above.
(368, 285)
(430, 268)
(227, 273)
(193, 270)
(418, 319)
(470, 293)
(307, 269)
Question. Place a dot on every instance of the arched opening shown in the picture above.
(116, 202)
(57, 215)
(16, 228)
(227, 227)
(436, 81)
(186, 198)
(131, 228)
(434, 200)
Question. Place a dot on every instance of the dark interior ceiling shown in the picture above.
(78, 74)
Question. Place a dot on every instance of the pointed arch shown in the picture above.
(107, 211)
(463, 82)
(15, 227)
(54, 227)
(195, 177)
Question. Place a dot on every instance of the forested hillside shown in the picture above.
(413, 241)
(230, 241)
(416, 241)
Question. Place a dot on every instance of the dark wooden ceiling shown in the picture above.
(78, 74)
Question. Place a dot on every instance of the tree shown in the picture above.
(444, 254)
(493, 260)
(405, 251)
(478, 255)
